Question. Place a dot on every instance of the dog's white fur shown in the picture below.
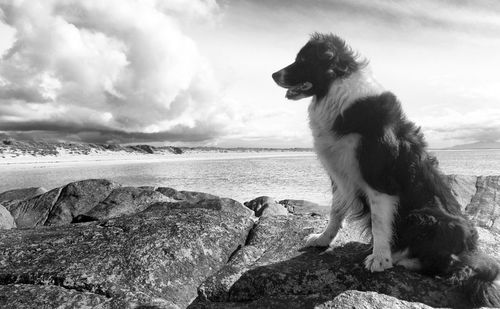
(338, 156)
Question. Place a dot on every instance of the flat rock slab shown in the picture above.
(157, 257)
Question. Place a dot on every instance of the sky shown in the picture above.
(198, 72)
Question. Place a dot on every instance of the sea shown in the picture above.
(282, 176)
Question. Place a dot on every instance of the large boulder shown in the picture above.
(155, 257)
(34, 211)
(125, 201)
(77, 198)
(60, 205)
(21, 194)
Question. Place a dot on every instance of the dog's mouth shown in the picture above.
(297, 91)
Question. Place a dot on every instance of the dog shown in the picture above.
(382, 172)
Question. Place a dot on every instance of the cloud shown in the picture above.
(117, 70)
(452, 127)
(464, 16)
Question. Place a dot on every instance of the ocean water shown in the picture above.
(287, 176)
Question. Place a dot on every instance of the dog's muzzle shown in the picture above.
(294, 92)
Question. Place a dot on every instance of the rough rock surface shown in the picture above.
(274, 264)
(219, 204)
(158, 256)
(77, 198)
(125, 201)
(479, 198)
(175, 249)
(34, 211)
(20, 296)
(21, 194)
(6, 219)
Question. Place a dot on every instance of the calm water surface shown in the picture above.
(297, 177)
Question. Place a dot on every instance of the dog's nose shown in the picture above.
(275, 75)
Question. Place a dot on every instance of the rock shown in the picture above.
(219, 204)
(347, 300)
(463, 188)
(484, 208)
(125, 201)
(6, 219)
(264, 206)
(78, 198)
(369, 300)
(21, 194)
(34, 211)
(188, 196)
(60, 206)
(274, 265)
(305, 207)
(48, 296)
(156, 257)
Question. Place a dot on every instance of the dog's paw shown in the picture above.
(318, 240)
(378, 261)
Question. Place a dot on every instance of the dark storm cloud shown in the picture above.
(95, 134)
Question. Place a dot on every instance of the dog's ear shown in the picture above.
(327, 55)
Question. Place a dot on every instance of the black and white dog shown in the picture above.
(383, 174)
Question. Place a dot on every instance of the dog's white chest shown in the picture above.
(336, 153)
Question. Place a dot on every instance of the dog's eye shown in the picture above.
(302, 59)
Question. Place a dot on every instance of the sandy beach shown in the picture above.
(120, 157)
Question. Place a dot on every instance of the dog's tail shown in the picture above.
(479, 276)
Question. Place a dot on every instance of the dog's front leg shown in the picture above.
(382, 208)
(337, 214)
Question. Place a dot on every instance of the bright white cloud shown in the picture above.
(127, 60)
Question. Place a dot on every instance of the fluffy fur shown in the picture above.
(383, 174)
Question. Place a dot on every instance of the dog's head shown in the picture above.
(324, 59)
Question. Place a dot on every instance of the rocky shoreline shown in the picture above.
(97, 244)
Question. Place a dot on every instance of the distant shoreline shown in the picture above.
(120, 158)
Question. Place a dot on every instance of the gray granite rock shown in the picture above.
(158, 256)
(274, 264)
(125, 201)
(78, 198)
(21, 194)
(33, 212)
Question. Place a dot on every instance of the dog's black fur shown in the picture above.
(428, 219)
